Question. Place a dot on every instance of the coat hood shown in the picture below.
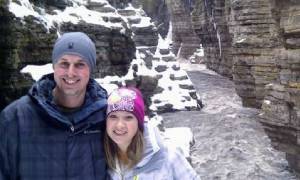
(95, 99)
(153, 144)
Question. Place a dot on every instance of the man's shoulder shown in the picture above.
(21, 102)
(12, 109)
(96, 90)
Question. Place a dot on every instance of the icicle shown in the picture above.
(220, 45)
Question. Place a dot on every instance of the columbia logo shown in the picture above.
(70, 45)
(92, 131)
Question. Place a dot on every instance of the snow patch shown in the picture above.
(179, 137)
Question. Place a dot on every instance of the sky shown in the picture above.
(172, 93)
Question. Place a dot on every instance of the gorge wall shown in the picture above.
(256, 43)
(16, 40)
(158, 11)
(184, 40)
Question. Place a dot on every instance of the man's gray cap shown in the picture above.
(75, 43)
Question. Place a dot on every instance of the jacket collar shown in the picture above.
(153, 144)
(95, 99)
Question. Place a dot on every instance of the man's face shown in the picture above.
(71, 74)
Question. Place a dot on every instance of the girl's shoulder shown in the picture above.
(179, 164)
(173, 153)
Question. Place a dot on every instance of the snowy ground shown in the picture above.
(230, 143)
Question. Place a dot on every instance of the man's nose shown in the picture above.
(71, 70)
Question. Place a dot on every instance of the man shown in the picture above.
(55, 131)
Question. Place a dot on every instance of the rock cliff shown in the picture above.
(185, 41)
(19, 46)
(281, 105)
(157, 10)
(210, 22)
(256, 42)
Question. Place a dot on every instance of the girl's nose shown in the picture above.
(120, 123)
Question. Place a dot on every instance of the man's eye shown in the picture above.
(80, 65)
(64, 64)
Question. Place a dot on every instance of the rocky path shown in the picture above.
(230, 143)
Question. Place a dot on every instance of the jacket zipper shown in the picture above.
(72, 128)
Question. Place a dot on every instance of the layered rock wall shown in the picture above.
(22, 42)
(239, 39)
(256, 42)
(185, 41)
(260, 50)
(210, 21)
(158, 11)
(281, 105)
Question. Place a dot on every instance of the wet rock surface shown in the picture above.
(230, 143)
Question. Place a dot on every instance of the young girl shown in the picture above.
(133, 149)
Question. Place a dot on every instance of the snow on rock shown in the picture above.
(74, 14)
(179, 137)
(37, 71)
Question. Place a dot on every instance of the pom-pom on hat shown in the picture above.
(75, 43)
(127, 99)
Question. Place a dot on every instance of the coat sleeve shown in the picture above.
(8, 147)
(180, 167)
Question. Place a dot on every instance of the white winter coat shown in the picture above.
(158, 163)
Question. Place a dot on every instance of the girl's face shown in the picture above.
(121, 126)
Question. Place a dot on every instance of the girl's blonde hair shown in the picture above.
(134, 151)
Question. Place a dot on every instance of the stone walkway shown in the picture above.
(230, 143)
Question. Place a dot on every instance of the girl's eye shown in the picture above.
(129, 118)
(112, 116)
